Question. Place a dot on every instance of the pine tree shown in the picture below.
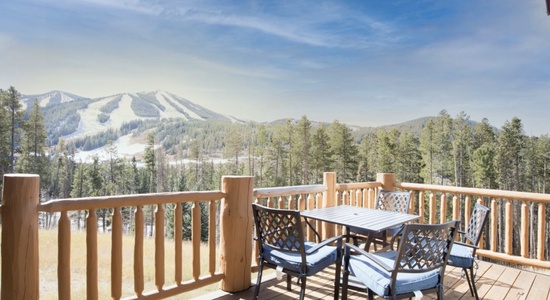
(462, 150)
(409, 159)
(322, 159)
(33, 156)
(427, 150)
(4, 134)
(303, 148)
(511, 144)
(15, 122)
(345, 151)
(262, 140)
(234, 147)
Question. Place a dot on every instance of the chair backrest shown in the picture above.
(393, 201)
(424, 247)
(279, 229)
(477, 223)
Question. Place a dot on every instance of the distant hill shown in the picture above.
(90, 123)
(73, 117)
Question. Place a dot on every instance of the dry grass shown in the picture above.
(48, 266)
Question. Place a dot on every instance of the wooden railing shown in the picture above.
(20, 209)
(438, 204)
(20, 263)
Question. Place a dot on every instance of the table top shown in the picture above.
(360, 217)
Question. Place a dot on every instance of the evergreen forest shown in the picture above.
(194, 155)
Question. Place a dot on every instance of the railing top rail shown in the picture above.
(358, 185)
(288, 190)
(128, 200)
(524, 196)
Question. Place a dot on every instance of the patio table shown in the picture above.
(365, 219)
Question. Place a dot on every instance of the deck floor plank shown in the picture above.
(487, 280)
(503, 284)
(493, 282)
(521, 286)
(539, 289)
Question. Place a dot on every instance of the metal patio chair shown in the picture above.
(282, 247)
(418, 265)
(464, 251)
(388, 201)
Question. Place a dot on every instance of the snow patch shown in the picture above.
(125, 147)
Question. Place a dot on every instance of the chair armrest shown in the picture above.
(370, 256)
(396, 235)
(467, 245)
(337, 239)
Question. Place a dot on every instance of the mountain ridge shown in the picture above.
(72, 116)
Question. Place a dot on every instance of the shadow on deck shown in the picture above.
(493, 282)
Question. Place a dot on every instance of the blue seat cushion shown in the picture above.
(292, 261)
(461, 256)
(378, 280)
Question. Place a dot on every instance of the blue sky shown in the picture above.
(366, 63)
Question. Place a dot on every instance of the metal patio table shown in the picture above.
(366, 219)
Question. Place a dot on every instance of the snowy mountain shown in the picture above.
(51, 98)
(91, 122)
(62, 110)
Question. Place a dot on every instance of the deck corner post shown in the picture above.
(236, 221)
(329, 200)
(387, 180)
(20, 268)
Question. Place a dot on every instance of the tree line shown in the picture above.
(194, 155)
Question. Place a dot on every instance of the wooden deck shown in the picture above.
(493, 282)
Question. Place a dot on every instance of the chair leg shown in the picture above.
(346, 275)
(303, 288)
(258, 281)
(337, 279)
(371, 294)
(440, 292)
(472, 283)
(288, 282)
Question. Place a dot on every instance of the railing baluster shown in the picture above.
(494, 224)
(310, 205)
(178, 240)
(411, 204)
(159, 247)
(443, 208)
(345, 198)
(212, 236)
(291, 202)
(481, 245)
(541, 231)
(467, 211)
(421, 207)
(64, 257)
(91, 256)
(524, 235)
(280, 203)
(138, 251)
(509, 227)
(456, 208)
(433, 208)
(116, 255)
(319, 224)
(196, 239)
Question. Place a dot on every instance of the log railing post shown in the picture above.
(329, 180)
(387, 180)
(236, 233)
(20, 236)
